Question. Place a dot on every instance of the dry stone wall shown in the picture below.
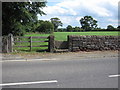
(84, 43)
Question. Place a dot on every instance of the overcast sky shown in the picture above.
(71, 11)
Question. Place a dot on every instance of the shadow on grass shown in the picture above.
(44, 50)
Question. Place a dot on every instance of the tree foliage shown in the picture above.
(17, 17)
(110, 27)
(69, 28)
(118, 28)
(77, 29)
(45, 27)
(56, 22)
(88, 23)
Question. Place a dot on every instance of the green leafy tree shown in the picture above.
(88, 23)
(110, 27)
(60, 29)
(45, 27)
(36, 25)
(118, 28)
(69, 28)
(76, 29)
(56, 22)
(17, 17)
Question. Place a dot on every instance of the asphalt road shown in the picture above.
(69, 73)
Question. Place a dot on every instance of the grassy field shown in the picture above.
(62, 36)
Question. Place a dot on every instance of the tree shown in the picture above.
(88, 23)
(69, 28)
(76, 29)
(56, 22)
(36, 25)
(17, 17)
(45, 27)
(60, 29)
(118, 28)
(110, 27)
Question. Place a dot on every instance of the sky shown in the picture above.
(71, 11)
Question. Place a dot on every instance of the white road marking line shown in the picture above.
(41, 59)
(113, 76)
(26, 83)
(27, 60)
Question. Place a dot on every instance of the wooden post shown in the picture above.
(51, 44)
(31, 43)
(0, 44)
(69, 43)
(10, 43)
(5, 44)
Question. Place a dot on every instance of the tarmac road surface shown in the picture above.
(74, 72)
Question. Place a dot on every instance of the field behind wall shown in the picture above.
(62, 36)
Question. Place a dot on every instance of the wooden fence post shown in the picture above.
(69, 43)
(31, 43)
(51, 43)
(5, 44)
(10, 43)
(0, 44)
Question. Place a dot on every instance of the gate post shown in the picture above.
(69, 43)
(5, 44)
(30, 43)
(10, 43)
(51, 43)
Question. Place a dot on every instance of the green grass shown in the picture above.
(62, 36)
(27, 49)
